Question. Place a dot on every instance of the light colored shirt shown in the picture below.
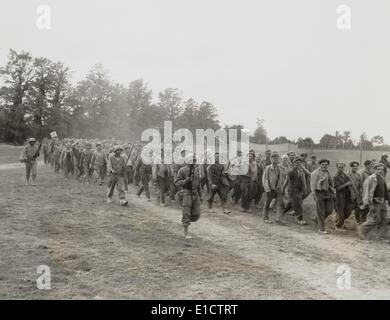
(320, 180)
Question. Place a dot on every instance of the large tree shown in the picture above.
(17, 74)
(260, 134)
(170, 101)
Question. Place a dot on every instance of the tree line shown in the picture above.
(37, 97)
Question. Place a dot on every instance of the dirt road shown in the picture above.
(97, 250)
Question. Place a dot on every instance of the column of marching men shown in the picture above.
(281, 183)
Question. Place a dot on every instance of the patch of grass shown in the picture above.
(9, 154)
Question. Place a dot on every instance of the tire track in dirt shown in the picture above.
(100, 250)
(16, 165)
(305, 256)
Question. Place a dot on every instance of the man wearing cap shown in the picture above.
(215, 179)
(321, 185)
(29, 156)
(273, 183)
(115, 171)
(295, 184)
(188, 181)
(357, 188)
(99, 163)
(376, 197)
(345, 196)
(291, 157)
(265, 162)
(367, 171)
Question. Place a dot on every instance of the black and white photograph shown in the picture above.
(193, 150)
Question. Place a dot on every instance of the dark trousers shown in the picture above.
(222, 193)
(145, 178)
(172, 189)
(45, 156)
(344, 207)
(137, 177)
(295, 203)
(245, 192)
(68, 168)
(129, 175)
(324, 206)
(360, 214)
(257, 191)
(236, 195)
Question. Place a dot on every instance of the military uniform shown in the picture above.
(99, 163)
(29, 157)
(190, 187)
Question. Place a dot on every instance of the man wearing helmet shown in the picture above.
(29, 156)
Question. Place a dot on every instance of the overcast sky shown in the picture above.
(283, 61)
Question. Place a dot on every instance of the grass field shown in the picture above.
(103, 251)
(9, 154)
